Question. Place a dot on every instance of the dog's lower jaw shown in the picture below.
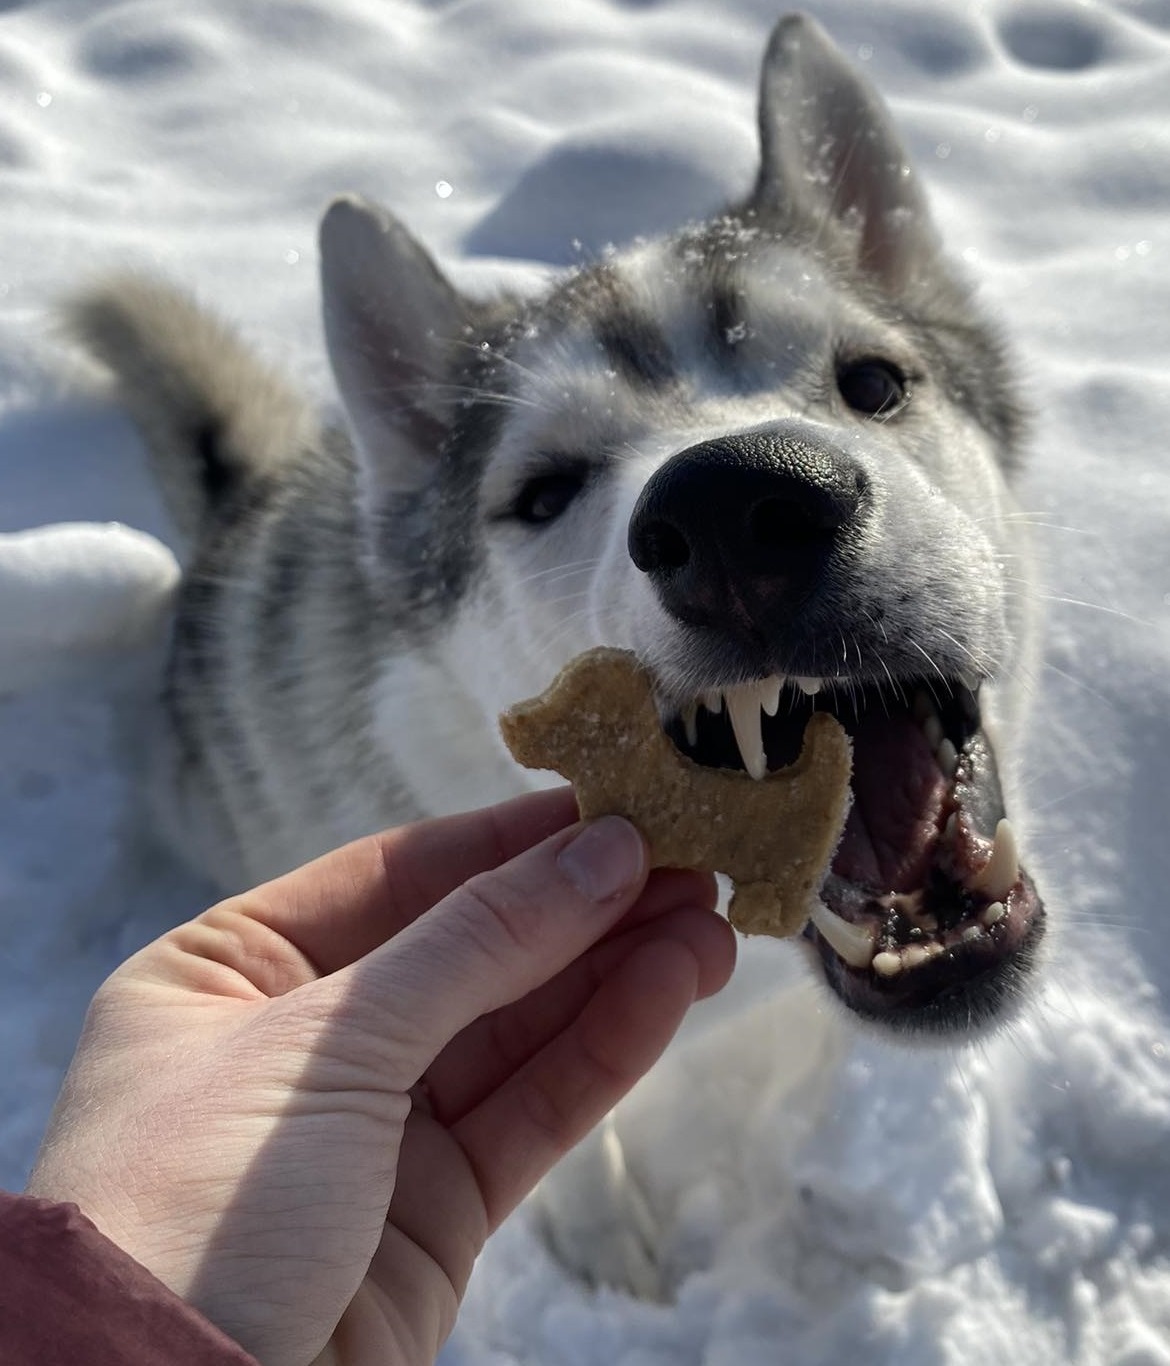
(928, 925)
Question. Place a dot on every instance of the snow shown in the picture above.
(822, 1196)
(70, 590)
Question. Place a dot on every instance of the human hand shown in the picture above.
(306, 1109)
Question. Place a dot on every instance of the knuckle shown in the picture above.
(559, 1106)
(501, 917)
(549, 1114)
(606, 1070)
(513, 1037)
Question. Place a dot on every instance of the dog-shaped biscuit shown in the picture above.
(598, 726)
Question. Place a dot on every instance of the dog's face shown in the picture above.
(769, 455)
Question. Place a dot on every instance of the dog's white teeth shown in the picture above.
(887, 964)
(926, 713)
(1002, 870)
(993, 914)
(743, 707)
(770, 690)
(890, 962)
(970, 679)
(809, 686)
(690, 720)
(854, 943)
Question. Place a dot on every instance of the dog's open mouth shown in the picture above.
(928, 918)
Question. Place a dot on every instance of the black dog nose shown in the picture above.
(749, 523)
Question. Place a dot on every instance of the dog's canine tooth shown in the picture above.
(970, 679)
(712, 699)
(770, 690)
(1002, 870)
(809, 686)
(743, 707)
(854, 943)
(933, 730)
(690, 720)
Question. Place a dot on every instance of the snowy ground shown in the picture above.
(826, 1199)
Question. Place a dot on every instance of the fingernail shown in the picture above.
(606, 858)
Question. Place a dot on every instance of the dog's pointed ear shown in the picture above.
(391, 317)
(832, 159)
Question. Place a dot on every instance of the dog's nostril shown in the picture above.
(659, 546)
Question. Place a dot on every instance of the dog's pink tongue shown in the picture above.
(898, 792)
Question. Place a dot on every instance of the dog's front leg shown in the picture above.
(597, 1219)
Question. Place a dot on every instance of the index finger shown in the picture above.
(341, 906)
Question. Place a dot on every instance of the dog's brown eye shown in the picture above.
(544, 498)
(874, 387)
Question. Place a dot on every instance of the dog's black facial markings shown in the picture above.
(933, 924)
(632, 343)
(432, 533)
(635, 348)
(956, 349)
(721, 283)
(728, 327)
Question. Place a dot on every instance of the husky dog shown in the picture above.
(772, 453)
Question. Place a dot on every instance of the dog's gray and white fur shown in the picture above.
(359, 605)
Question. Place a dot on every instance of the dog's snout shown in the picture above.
(755, 519)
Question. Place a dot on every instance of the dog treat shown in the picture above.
(598, 726)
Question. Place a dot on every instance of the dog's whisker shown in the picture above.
(496, 355)
(554, 573)
(1049, 667)
(933, 665)
(982, 662)
(501, 399)
(1035, 519)
(1029, 592)
(1116, 612)
(416, 393)
(552, 639)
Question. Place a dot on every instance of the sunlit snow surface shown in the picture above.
(826, 1199)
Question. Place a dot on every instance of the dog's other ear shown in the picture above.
(391, 316)
(831, 158)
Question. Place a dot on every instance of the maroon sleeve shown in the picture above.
(68, 1295)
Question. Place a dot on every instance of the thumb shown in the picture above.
(491, 941)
